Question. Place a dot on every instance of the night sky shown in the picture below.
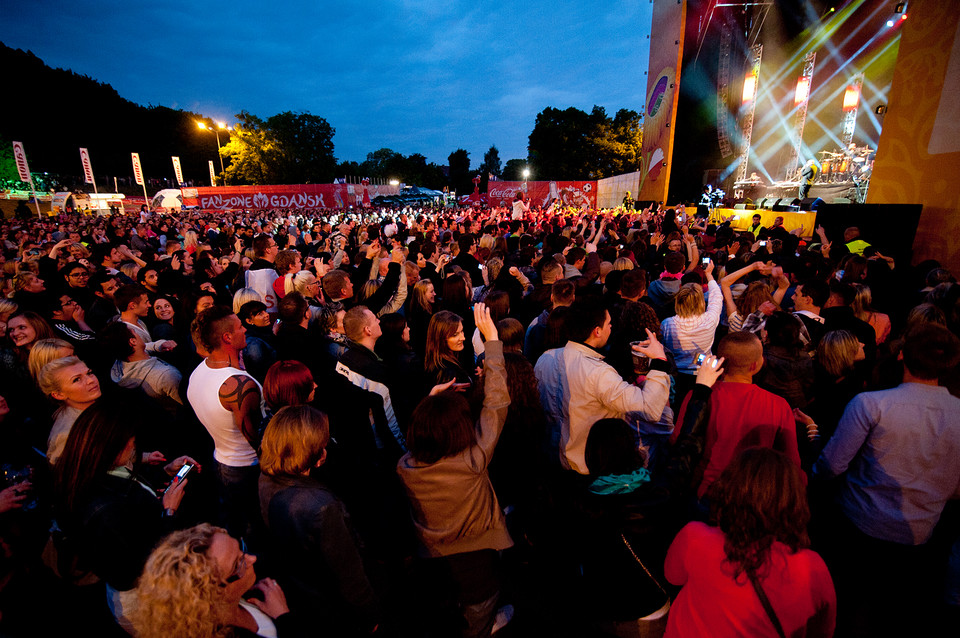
(417, 77)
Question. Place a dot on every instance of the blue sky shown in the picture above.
(418, 77)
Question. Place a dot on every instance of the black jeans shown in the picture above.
(237, 489)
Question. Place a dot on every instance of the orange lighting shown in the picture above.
(803, 90)
(749, 87)
(851, 98)
(903, 17)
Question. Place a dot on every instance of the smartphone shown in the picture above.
(479, 266)
(700, 359)
(705, 261)
(180, 475)
(763, 242)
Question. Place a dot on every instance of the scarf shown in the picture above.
(671, 275)
(620, 483)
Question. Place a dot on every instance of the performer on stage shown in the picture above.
(807, 176)
(627, 201)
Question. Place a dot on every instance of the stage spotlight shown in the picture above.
(851, 98)
(749, 87)
(903, 17)
(803, 89)
(889, 23)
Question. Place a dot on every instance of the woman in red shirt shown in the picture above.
(759, 545)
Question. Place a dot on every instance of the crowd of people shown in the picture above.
(473, 421)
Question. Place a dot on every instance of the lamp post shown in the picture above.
(216, 131)
(526, 175)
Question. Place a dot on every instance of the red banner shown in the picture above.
(310, 196)
(137, 170)
(541, 193)
(87, 168)
(20, 156)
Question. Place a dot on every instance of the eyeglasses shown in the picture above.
(241, 567)
(79, 275)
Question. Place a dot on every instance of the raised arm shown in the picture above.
(496, 397)
(733, 278)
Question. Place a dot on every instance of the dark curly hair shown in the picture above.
(759, 499)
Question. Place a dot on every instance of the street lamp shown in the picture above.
(526, 174)
(216, 131)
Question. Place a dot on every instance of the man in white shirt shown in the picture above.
(578, 389)
(228, 402)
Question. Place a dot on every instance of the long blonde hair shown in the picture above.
(179, 592)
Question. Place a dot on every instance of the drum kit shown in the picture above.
(841, 166)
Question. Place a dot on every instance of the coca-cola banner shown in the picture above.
(542, 193)
(311, 196)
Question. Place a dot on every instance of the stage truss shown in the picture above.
(801, 119)
(750, 109)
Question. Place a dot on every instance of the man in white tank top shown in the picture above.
(228, 402)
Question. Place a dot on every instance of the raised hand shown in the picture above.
(710, 370)
(651, 347)
(481, 316)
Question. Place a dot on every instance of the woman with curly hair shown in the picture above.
(758, 551)
(193, 586)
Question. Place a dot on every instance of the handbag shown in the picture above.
(651, 626)
(767, 607)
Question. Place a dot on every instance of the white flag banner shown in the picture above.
(262, 281)
(87, 167)
(176, 170)
(137, 171)
(20, 156)
(213, 175)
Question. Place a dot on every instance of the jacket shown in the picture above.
(578, 389)
(455, 509)
(317, 554)
(367, 371)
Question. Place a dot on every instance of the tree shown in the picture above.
(572, 144)
(251, 152)
(491, 162)
(288, 148)
(304, 151)
(460, 178)
(513, 171)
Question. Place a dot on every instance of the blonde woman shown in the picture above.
(44, 351)
(244, 295)
(623, 263)
(836, 382)
(309, 528)
(7, 308)
(863, 309)
(691, 331)
(193, 584)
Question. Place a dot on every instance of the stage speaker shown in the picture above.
(785, 205)
(744, 206)
(763, 203)
(842, 200)
(811, 203)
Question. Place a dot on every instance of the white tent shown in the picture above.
(167, 198)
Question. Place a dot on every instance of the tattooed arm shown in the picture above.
(240, 395)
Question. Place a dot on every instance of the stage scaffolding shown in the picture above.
(806, 77)
(749, 109)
